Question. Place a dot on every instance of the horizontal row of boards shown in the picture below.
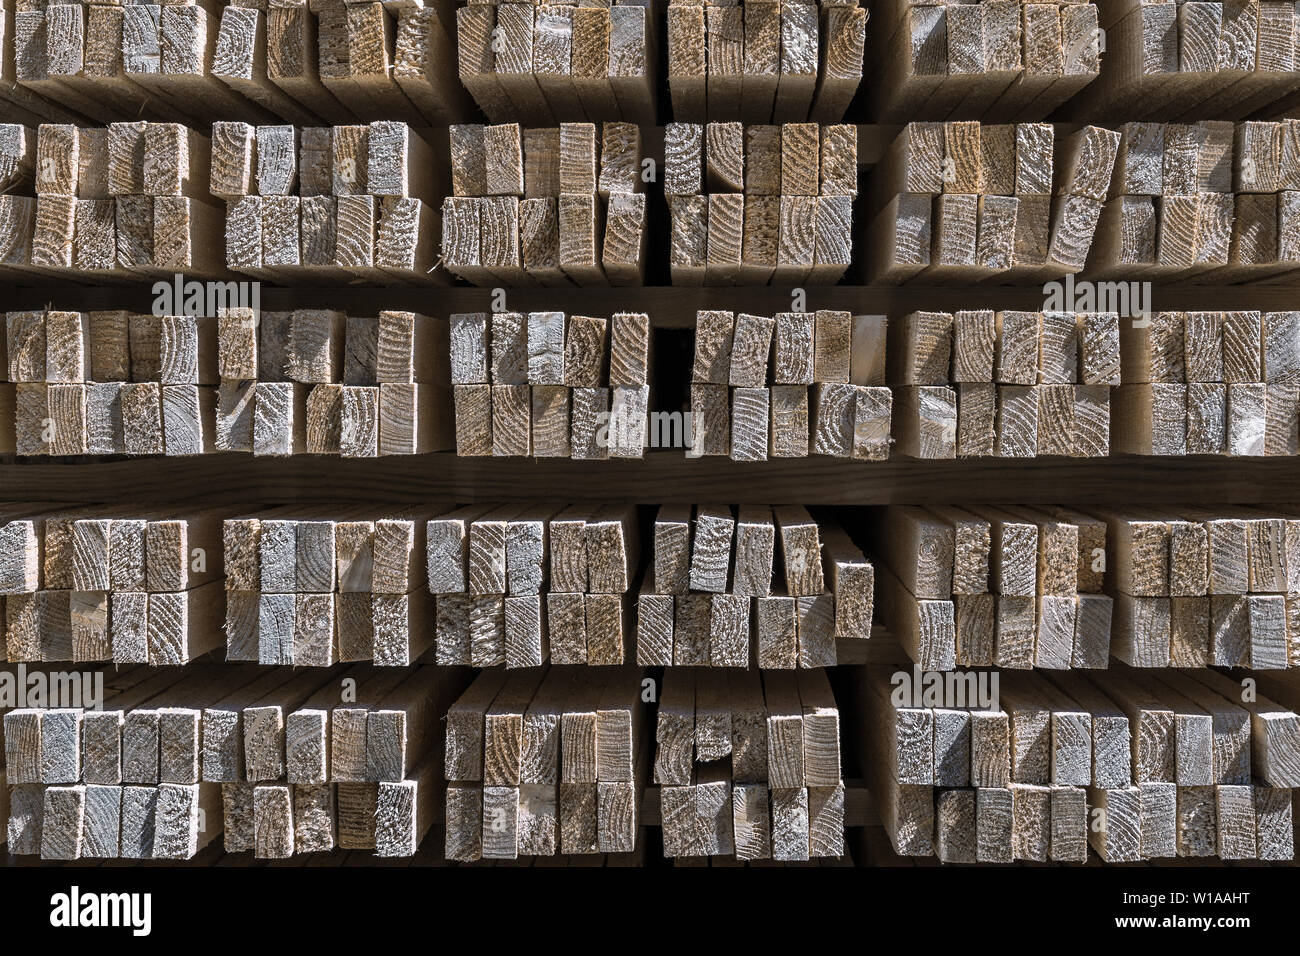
(505, 205)
(971, 384)
(334, 62)
(538, 763)
(479, 585)
(1141, 766)
(1138, 766)
(484, 585)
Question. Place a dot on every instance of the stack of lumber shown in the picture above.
(96, 585)
(748, 765)
(123, 782)
(826, 394)
(1174, 212)
(110, 383)
(550, 385)
(1004, 384)
(760, 205)
(308, 590)
(109, 61)
(348, 758)
(997, 59)
(1003, 587)
(712, 579)
(961, 201)
(534, 207)
(311, 381)
(1137, 767)
(328, 61)
(557, 63)
(119, 202)
(758, 61)
(1198, 587)
(87, 688)
(1209, 383)
(113, 775)
(545, 762)
(519, 585)
(1191, 59)
(277, 762)
(318, 382)
(336, 61)
(328, 203)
